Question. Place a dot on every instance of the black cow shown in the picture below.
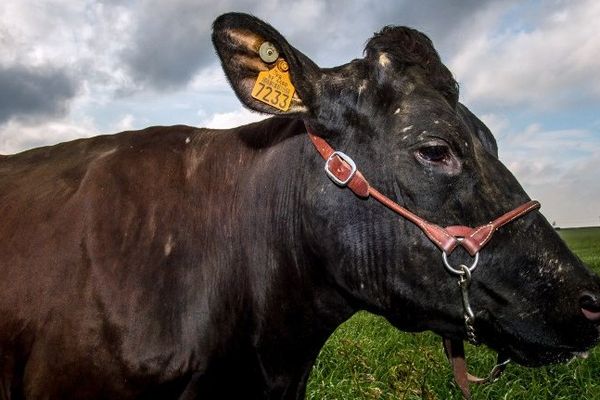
(186, 263)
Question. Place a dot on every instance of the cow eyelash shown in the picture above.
(434, 153)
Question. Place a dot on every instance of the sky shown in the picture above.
(529, 69)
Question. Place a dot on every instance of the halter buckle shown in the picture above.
(344, 157)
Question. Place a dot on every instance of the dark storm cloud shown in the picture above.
(439, 19)
(352, 23)
(171, 40)
(29, 93)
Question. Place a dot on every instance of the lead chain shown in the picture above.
(464, 281)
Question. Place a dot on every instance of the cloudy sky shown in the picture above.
(529, 69)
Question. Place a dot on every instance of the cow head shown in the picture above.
(396, 112)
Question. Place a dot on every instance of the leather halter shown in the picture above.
(343, 171)
(447, 239)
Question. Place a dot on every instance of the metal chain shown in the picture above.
(464, 281)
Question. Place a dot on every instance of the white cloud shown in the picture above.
(497, 124)
(62, 32)
(210, 79)
(126, 123)
(571, 199)
(556, 167)
(232, 119)
(530, 62)
(16, 136)
(551, 64)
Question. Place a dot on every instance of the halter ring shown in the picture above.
(459, 271)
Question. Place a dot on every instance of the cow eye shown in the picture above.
(435, 153)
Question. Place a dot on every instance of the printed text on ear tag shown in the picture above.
(274, 87)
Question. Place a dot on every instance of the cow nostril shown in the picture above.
(590, 306)
(589, 301)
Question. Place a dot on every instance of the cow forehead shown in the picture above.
(404, 57)
(405, 99)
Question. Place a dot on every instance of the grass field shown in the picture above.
(367, 358)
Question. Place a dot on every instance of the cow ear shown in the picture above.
(482, 132)
(267, 74)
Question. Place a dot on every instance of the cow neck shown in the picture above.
(343, 171)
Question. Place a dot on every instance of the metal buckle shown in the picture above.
(346, 159)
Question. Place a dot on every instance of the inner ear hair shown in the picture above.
(238, 39)
(245, 46)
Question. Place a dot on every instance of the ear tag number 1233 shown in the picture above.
(274, 87)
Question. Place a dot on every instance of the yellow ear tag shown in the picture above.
(274, 87)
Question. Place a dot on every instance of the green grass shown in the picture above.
(367, 358)
(585, 242)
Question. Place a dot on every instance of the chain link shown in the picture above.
(464, 281)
